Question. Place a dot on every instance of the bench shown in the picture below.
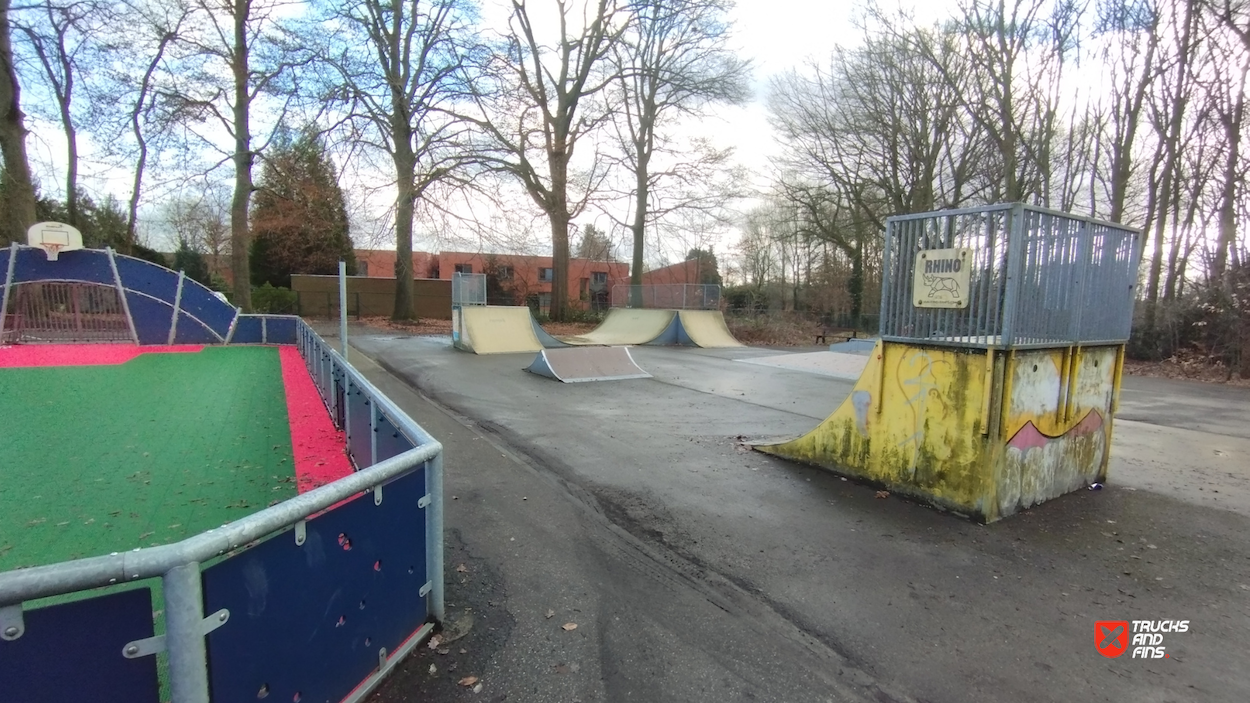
(844, 333)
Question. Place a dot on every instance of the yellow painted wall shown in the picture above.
(983, 435)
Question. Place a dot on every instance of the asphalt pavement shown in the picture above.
(696, 570)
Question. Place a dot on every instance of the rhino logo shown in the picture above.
(941, 284)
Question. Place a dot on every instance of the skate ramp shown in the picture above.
(580, 364)
(630, 326)
(705, 328)
(497, 329)
(544, 337)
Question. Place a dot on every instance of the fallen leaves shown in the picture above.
(551, 614)
(462, 568)
(883, 494)
(468, 681)
(569, 626)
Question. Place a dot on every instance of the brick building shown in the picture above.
(522, 279)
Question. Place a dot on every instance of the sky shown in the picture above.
(775, 35)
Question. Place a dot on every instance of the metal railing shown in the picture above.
(1036, 278)
(65, 312)
(468, 289)
(408, 450)
(667, 296)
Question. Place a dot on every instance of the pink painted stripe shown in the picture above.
(318, 446)
(35, 355)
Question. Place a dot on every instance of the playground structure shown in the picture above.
(317, 597)
(495, 329)
(996, 378)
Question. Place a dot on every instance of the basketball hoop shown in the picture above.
(54, 238)
(52, 249)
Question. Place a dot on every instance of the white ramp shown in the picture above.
(579, 364)
(496, 329)
(631, 326)
(705, 328)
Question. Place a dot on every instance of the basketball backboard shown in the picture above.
(54, 238)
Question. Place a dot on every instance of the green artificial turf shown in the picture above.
(98, 459)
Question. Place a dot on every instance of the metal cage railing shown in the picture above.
(1035, 278)
(667, 296)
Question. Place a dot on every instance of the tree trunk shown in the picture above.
(1228, 191)
(240, 238)
(19, 193)
(405, 203)
(639, 229)
(558, 212)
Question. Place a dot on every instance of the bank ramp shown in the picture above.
(692, 328)
(704, 328)
(630, 326)
(580, 364)
(494, 329)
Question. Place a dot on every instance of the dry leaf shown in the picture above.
(551, 614)
(435, 640)
(477, 688)
(468, 681)
(569, 626)
(883, 494)
(462, 568)
(444, 651)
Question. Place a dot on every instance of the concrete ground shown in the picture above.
(696, 570)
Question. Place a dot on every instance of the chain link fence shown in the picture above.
(667, 296)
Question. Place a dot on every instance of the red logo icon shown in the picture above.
(1111, 637)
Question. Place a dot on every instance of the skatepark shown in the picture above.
(698, 570)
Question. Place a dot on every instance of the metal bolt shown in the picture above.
(132, 650)
(10, 632)
(222, 617)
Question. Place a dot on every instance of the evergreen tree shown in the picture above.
(709, 270)
(299, 218)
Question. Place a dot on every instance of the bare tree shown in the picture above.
(64, 38)
(17, 189)
(397, 98)
(161, 25)
(536, 109)
(241, 37)
(673, 63)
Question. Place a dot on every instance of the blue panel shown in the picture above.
(208, 308)
(4, 264)
(359, 435)
(73, 652)
(670, 335)
(391, 442)
(247, 330)
(146, 277)
(309, 620)
(152, 317)
(90, 265)
(280, 330)
(190, 331)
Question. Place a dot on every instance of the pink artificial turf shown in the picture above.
(33, 355)
(317, 445)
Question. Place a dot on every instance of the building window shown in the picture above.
(464, 268)
(546, 275)
(544, 301)
(362, 267)
(599, 278)
(504, 273)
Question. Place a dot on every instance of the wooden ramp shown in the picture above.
(578, 364)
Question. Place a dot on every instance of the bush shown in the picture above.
(277, 301)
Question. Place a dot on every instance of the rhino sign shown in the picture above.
(941, 278)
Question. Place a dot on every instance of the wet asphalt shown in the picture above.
(697, 570)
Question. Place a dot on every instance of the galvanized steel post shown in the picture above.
(184, 634)
(343, 305)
